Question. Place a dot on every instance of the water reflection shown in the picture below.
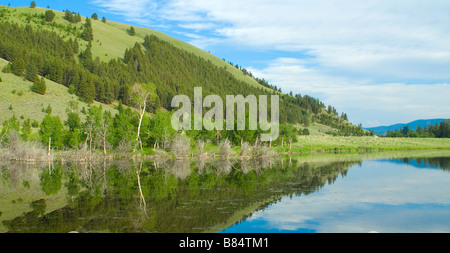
(389, 196)
(192, 195)
(442, 163)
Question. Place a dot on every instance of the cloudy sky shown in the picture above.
(382, 62)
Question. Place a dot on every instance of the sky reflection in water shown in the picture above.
(387, 196)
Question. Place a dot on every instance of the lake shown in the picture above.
(321, 193)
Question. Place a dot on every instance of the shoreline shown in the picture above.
(312, 145)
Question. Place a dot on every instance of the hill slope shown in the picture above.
(104, 68)
(17, 99)
(111, 40)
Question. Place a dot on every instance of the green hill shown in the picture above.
(111, 39)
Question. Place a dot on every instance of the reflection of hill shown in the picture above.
(182, 197)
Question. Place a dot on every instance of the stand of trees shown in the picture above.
(103, 131)
(72, 17)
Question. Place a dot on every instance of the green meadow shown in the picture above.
(325, 143)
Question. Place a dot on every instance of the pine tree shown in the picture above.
(33, 4)
(26, 129)
(419, 129)
(31, 73)
(94, 16)
(131, 31)
(7, 68)
(88, 33)
(75, 46)
(104, 20)
(49, 16)
(18, 67)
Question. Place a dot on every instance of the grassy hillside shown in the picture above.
(15, 93)
(111, 38)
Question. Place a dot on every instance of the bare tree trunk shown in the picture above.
(139, 184)
(141, 116)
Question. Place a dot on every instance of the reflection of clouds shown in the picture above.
(375, 197)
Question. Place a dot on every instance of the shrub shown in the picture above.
(131, 31)
(7, 68)
(49, 16)
(39, 86)
(35, 124)
(71, 89)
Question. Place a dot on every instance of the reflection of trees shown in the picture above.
(178, 196)
(141, 195)
(180, 168)
(51, 179)
(223, 166)
(442, 163)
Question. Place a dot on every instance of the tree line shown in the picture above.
(95, 129)
(441, 130)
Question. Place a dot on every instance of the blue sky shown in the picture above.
(382, 62)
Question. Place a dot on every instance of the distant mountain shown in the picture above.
(382, 130)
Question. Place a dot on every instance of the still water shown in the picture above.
(337, 193)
